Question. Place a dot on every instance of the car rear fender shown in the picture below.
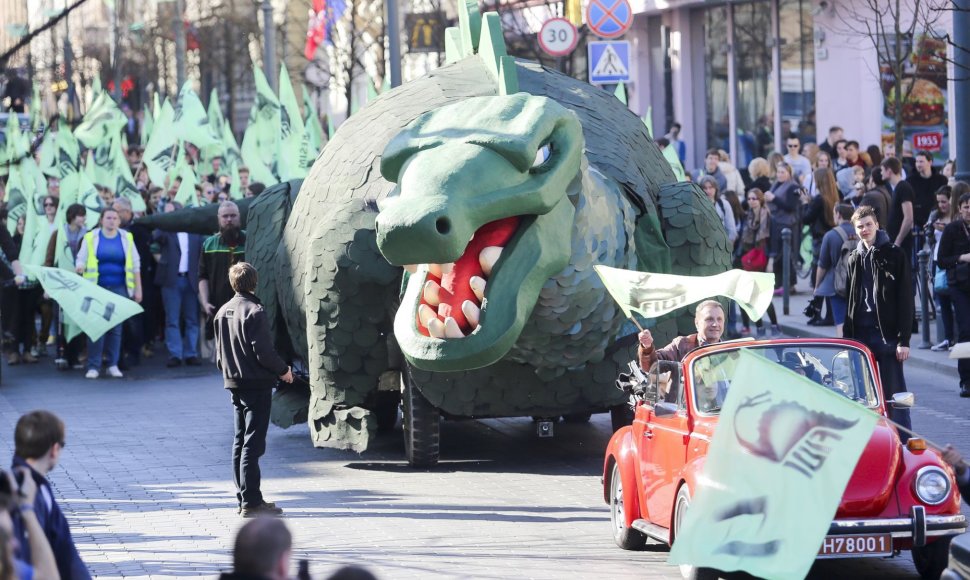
(622, 452)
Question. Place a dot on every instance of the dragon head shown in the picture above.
(481, 218)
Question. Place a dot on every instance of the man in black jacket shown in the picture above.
(250, 367)
(880, 305)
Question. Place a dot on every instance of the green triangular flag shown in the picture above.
(330, 128)
(292, 144)
(191, 120)
(103, 120)
(312, 127)
(648, 121)
(671, 156)
(386, 85)
(156, 106)
(88, 196)
(147, 124)
(48, 154)
(36, 110)
(16, 198)
(186, 194)
(259, 146)
(235, 183)
(162, 147)
(371, 90)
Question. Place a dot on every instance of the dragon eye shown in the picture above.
(542, 155)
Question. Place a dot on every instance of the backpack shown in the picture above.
(841, 278)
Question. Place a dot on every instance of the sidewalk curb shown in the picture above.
(949, 370)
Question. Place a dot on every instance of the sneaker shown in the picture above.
(34, 352)
(13, 358)
(945, 345)
(266, 509)
(29, 357)
(964, 391)
(115, 372)
(775, 331)
(173, 362)
(268, 504)
(92, 374)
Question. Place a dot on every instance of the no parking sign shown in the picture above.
(609, 18)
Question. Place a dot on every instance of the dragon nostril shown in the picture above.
(443, 225)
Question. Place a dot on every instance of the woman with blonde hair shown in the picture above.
(760, 173)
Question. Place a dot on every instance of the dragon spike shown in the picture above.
(482, 35)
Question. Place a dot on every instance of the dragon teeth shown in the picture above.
(432, 293)
(477, 284)
(425, 315)
(488, 257)
(411, 268)
(472, 312)
(447, 268)
(436, 328)
(451, 328)
(434, 270)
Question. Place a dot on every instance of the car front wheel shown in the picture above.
(680, 510)
(932, 559)
(624, 536)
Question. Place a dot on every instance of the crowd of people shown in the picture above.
(813, 190)
(180, 279)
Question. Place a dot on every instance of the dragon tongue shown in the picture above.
(455, 284)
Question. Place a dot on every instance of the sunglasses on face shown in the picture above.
(793, 146)
(48, 205)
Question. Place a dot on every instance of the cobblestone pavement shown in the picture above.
(145, 483)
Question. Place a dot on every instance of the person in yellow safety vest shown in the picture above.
(108, 258)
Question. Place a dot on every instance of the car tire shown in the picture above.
(422, 426)
(680, 510)
(625, 537)
(931, 560)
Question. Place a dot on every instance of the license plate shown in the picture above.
(856, 545)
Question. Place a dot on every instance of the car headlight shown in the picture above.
(932, 485)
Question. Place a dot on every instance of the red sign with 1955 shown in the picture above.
(931, 141)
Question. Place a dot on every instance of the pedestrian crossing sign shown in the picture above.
(609, 62)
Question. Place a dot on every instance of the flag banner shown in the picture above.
(68, 155)
(16, 198)
(37, 230)
(217, 124)
(94, 309)
(260, 145)
(186, 194)
(156, 106)
(48, 154)
(231, 148)
(88, 196)
(671, 156)
(191, 121)
(620, 92)
(162, 148)
(103, 121)
(251, 155)
(37, 121)
(312, 127)
(235, 183)
(292, 143)
(648, 121)
(781, 456)
(147, 124)
(652, 295)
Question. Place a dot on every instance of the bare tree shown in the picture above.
(908, 51)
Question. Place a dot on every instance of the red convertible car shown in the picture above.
(900, 497)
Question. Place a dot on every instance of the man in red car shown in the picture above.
(709, 320)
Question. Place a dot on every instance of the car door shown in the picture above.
(663, 444)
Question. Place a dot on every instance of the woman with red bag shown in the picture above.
(755, 248)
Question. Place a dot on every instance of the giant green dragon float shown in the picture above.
(440, 252)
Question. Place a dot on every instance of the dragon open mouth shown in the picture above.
(453, 294)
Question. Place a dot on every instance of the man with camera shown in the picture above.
(39, 438)
(17, 502)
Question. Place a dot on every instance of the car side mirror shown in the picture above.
(665, 409)
(903, 400)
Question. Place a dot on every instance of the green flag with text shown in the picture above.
(653, 295)
(781, 456)
(292, 143)
(191, 121)
(94, 309)
(162, 149)
(103, 121)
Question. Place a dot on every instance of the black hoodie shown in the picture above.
(892, 288)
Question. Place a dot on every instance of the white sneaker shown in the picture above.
(115, 372)
(92, 374)
(945, 345)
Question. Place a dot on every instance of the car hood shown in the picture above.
(874, 479)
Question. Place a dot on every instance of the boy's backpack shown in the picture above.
(841, 277)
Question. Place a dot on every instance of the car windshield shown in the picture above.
(842, 369)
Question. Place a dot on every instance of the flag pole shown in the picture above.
(635, 323)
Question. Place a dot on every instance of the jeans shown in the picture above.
(891, 374)
(250, 420)
(181, 303)
(961, 303)
(107, 349)
(945, 329)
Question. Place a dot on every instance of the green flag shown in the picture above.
(214, 113)
(781, 456)
(312, 127)
(292, 142)
(232, 153)
(648, 121)
(671, 156)
(156, 106)
(186, 194)
(88, 196)
(16, 198)
(162, 148)
(36, 110)
(68, 154)
(103, 121)
(330, 128)
(95, 309)
(113, 172)
(48, 154)
(191, 120)
(371, 91)
(652, 295)
(235, 183)
(259, 147)
(147, 124)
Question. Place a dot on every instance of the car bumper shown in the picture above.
(918, 526)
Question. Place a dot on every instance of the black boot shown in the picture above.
(964, 391)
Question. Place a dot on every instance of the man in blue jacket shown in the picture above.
(38, 442)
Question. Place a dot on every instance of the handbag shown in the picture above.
(754, 260)
(959, 277)
(939, 282)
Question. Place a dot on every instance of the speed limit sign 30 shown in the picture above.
(558, 37)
